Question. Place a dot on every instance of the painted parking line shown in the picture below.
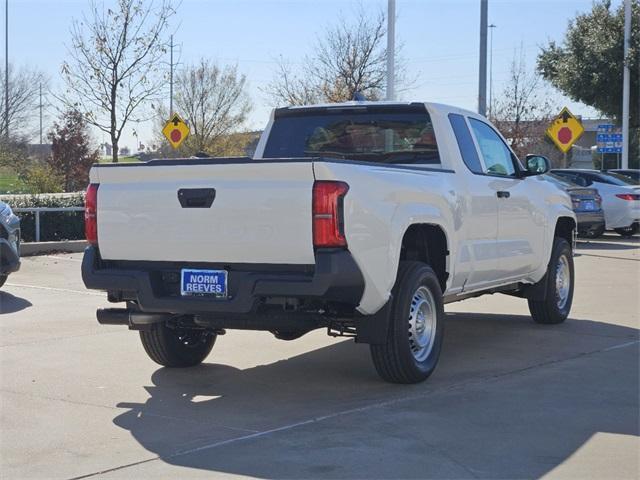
(54, 289)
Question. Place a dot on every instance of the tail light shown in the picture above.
(576, 202)
(91, 214)
(598, 200)
(328, 214)
(628, 196)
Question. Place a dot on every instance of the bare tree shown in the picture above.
(523, 111)
(116, 63)
(213, 100)
(24, 93)
(350, 57)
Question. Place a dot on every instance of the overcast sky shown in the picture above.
(440, 39)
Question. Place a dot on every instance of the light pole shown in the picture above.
(6, 68)
(391, 48)
(482, 74)
(492, 26)
(626, 85)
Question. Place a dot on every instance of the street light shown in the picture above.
(391, 47)
(492, 26)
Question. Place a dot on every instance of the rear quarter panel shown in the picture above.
(381, 204)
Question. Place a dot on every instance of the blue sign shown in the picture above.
(609, 139)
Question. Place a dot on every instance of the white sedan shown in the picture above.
(620, 197)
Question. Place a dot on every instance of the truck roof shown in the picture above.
(433, 107)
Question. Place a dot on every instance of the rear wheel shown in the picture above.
(175, 346)
(415, 335)
(559, 280)
(627, 231)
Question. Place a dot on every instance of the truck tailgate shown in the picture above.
(261, 212)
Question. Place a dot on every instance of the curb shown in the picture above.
(43, 248)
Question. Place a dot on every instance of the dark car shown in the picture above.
(587, 205)
(632, 173)
(9, 242)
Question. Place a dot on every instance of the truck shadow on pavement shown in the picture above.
(509, 399)
(11, 304)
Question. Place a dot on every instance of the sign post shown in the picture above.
(564, 131)
(176, 130)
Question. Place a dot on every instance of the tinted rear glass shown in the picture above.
(618, 179)
(405, 138)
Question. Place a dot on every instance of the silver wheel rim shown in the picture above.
(422, 323)
(563, 281)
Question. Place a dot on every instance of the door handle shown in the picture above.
(196, 197)
(503, 194)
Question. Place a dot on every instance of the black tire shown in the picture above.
(596, 233)
(176, 347)
(3, 278)
(555, 307)
(629, 231)
(399, 360)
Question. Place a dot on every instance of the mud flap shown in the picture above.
(374, 329)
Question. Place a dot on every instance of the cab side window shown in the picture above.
(498, 159)
(465, 143)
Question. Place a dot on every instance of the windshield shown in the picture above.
(357, 135)
(619, 179)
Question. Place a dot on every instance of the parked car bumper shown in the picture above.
(590, 221)
(155, 287)
(9, 257)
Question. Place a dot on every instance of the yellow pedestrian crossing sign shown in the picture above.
(175, 130)
(565, 130)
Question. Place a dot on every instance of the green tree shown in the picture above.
(71, 152)
(588, 65)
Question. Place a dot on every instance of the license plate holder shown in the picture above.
(588, 205)
(203, 283)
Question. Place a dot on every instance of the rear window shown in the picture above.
(385, 137)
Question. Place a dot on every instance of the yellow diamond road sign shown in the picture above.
(175, 130)
(565, 130)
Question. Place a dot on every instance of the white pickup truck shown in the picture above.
(364, 218)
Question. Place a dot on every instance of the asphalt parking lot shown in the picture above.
(510, 398)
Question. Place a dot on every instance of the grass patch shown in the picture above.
(10, 183)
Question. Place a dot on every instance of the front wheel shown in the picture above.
(416, 329)
(175, 346)
(559, 279)
(629, 231)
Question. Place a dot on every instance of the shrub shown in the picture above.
(41, 178)
(54, 226)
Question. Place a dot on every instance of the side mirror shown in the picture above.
(537, 164)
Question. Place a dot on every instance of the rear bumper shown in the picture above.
(334, 278)
(589, 220)
(9, 258)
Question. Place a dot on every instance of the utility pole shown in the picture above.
(391, 49)
(6, 69)
(482, 81)
(171, 80)
(626, 85)
(492, 26)
(41, 118)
